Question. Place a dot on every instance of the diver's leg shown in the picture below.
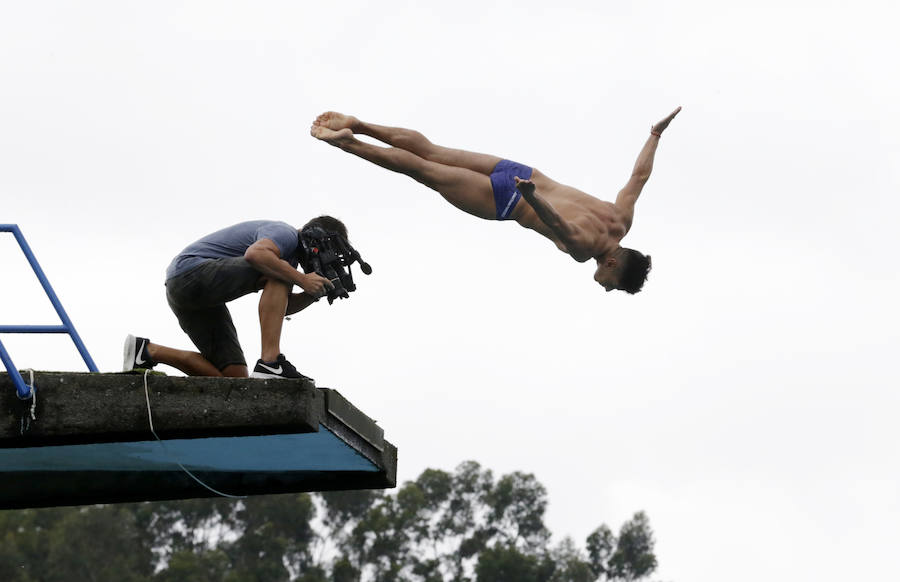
(411, 141)
(468, 190)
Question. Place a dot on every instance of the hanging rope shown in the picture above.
(183, 468)
(27, 417)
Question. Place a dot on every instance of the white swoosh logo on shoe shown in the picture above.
(273, 370)
(137, 357)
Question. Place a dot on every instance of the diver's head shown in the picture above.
(624, 269)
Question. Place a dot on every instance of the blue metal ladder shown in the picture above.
(23, 390)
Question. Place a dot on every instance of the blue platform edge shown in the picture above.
(319, 451)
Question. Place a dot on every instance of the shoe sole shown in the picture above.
(264, 375)
(128, 362)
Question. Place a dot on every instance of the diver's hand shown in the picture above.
(525, 187)
(661, 125)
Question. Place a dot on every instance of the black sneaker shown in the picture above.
(280, 368)
(136, 355)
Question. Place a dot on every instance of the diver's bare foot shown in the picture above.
(660, 126)
(334, 120)
(335, 138)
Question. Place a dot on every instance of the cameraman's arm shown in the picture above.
(265, 257)
(299, 302)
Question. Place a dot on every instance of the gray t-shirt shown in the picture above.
(233, 241)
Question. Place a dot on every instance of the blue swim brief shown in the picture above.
(504, 184)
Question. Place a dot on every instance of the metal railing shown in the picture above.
(24, 390)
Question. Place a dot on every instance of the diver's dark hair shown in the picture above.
(327, 223)
(634, 273)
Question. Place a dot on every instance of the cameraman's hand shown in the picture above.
(316, 285)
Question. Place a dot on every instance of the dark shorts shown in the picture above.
(198, 300)
(503, 183)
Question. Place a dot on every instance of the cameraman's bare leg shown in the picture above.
(411, 141)
(468, 190)
(235, 371)
(272, 307)
(191, 363)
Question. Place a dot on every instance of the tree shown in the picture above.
(99, 543)
(570, 564)
(460, 526)
(630, 557)
(517, 504)
(505, 563)
(435, 527)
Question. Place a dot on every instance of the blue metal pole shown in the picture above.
(33, 329)
(23, 390)
(51, 294)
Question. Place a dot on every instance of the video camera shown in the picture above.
(327, 253)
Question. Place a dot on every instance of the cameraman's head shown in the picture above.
(328, 224)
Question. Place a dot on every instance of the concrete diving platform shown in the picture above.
(91, 442)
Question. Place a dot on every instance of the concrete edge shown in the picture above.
(359, 431)
(80, 408)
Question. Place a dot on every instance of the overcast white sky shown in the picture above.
(746, 400)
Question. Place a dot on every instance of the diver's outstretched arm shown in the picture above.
(627, 197)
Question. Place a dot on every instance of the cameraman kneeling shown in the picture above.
(220, 267)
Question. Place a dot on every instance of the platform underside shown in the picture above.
(91, 441)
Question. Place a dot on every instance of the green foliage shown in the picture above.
(630, 557)
(275, 529)
(463, 526)
(87, 543)
(517, 503)
(633, 558)
(185, 566)
(600, 546)
(507, 564)
(343, 571)
(570, 564)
